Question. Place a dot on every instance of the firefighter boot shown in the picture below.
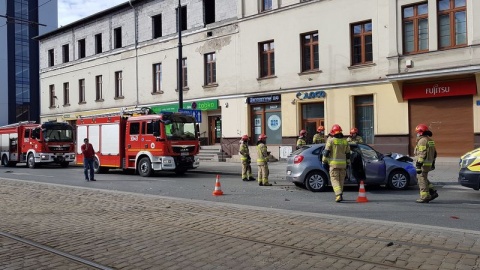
(423, 200)
(339, 198)
(244, 179)
(433, 194)
(267, 184)
(251, 178)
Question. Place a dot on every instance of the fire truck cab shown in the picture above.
(34, 144)
(143, 142)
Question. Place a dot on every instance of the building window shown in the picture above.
(209, 11)
(184, 72)
(51, 58)
(267, 59)
(266, 119)
(310, 61)
(98, 88)
(266, 5)
(52, 95)
(98, 43)
(117, 38)
(210, 69)
(362, 52)
(157, 78)
(81, 48)
(415, 28)
(118, 84)
(157, 26)
(65, 53)
(452, 23)
(66, 93)
(81, 91)
(364, 120)
(183, 23)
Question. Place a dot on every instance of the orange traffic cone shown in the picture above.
(362, 197)
(218, 189)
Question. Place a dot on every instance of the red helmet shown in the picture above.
(245, 138)
(320, 128)
(421, 128)
(262, 137)
(336, 129)
(354, 130)
(303, 132)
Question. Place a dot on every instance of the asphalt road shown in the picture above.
(457, 207)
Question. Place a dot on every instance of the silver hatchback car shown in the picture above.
(304, 168)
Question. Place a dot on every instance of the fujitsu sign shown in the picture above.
(440, 89)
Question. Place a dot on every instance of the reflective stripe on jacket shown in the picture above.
(262, 153)
(318, 138)
(339, 149)
(425, 150)
(301, 142)
(244, 151)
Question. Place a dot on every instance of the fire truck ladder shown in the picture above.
(19, 124)
(123, 111)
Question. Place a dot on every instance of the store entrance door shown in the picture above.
(214, 129)
(311, 125)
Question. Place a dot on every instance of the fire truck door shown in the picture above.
(132, 142)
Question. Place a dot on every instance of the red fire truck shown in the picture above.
(35, 144)
(140, 141)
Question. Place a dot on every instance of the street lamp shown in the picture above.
(180, 68)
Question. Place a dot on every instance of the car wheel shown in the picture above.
(145, 167)
(31, 161)
(398, 179)
(316, 181)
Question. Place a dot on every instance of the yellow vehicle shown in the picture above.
(469, 175)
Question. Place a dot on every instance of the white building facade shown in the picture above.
(276, 67)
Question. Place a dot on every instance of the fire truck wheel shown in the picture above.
(180, 171)
(5, 161)
(145, 167)
(64, 164)
(31, 161)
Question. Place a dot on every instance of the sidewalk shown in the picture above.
(117, 230)
(445, 173)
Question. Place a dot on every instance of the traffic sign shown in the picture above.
(195, 113)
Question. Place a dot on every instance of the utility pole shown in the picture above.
(180, 68)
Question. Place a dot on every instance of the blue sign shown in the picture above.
(310, 95)
(195, 113)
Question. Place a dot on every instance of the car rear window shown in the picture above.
(300, 150)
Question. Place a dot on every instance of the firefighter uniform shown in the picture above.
(262, 162)
(301, 142)
(318, 138)
(336, 153)
(246, 160)
(425, 154)
(355, 139)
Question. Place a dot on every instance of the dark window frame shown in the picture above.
(183, 23)
(98, 43)
(267, 55)
(310, 46)
(98, 88)
(357, 103)
(210, 68)
(157, 26)
(81, 91)
(363, 44)
(51, 57)
(415, 19)
(51, 89)
(451, 12)
(266, 5)
(81, 48)
(118, 84)
(66, 53)
(117, 38)
(66, 93)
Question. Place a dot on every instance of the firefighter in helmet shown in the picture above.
(354, 137)
(335, 156)
(319, 137)
(425, 154)
(246, 160)
(262, 161)
(302, 140)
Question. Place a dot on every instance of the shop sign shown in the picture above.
(440, 89)
(206, 105)
(311, 95)
(263, 99)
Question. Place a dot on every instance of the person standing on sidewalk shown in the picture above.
(262, 161)
(88, 159)
(425, 154)
(246, 159)
(335, 156)
(302, 140)
(319, 137)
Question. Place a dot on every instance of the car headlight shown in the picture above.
(464, 163)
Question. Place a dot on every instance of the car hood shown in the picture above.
(399, 157)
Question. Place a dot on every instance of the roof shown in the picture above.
(88, 19)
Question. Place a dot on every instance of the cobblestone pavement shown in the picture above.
(132, 231)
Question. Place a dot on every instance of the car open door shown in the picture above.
(373, 164)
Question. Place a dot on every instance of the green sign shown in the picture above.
(206, 105)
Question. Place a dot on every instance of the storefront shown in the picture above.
(446, 107)
(266, 117)
(312, 111)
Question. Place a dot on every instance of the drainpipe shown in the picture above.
(136, 50)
